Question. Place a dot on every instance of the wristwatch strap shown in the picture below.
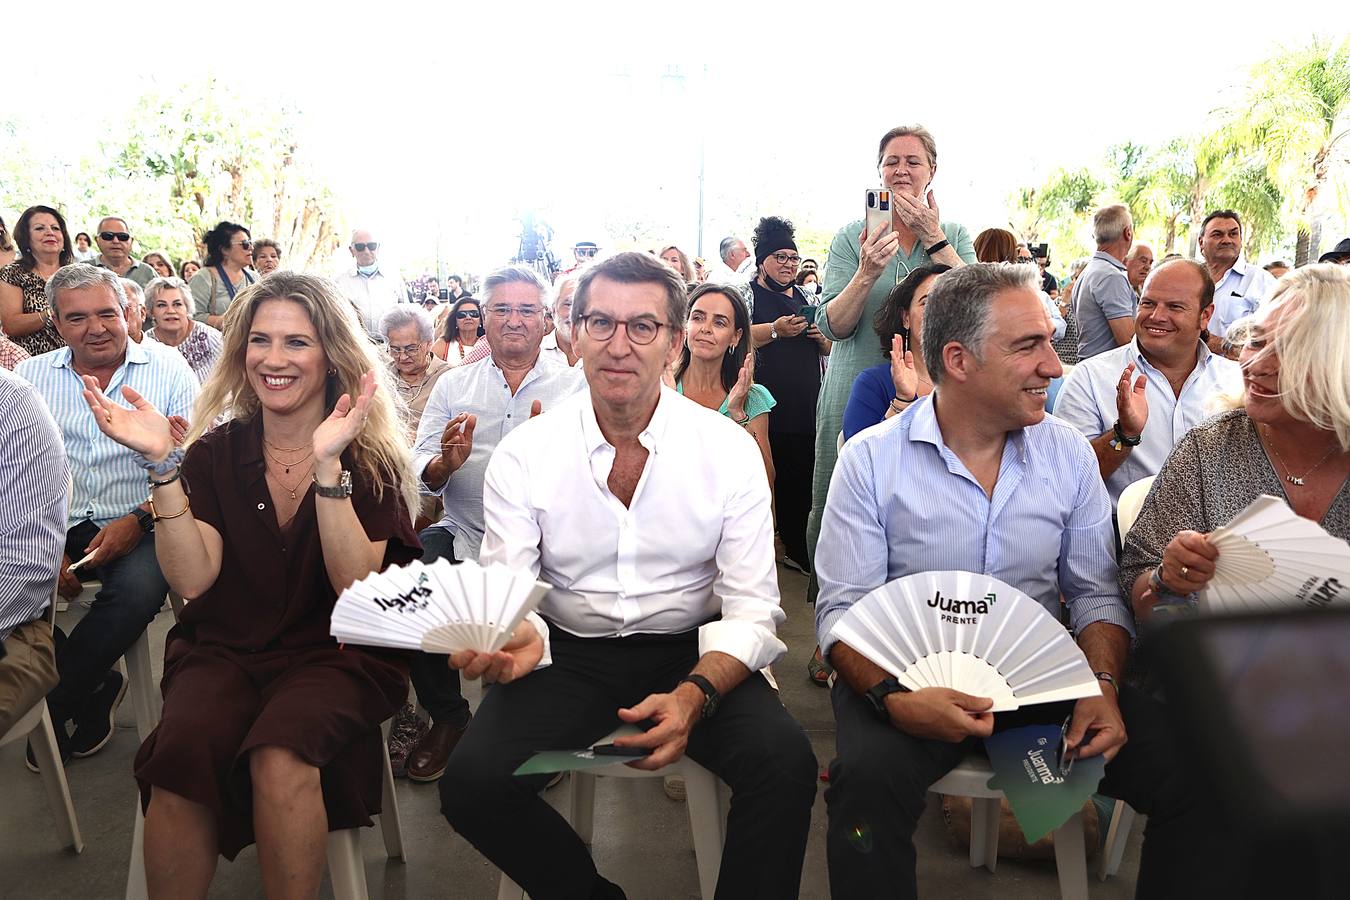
(711, 698)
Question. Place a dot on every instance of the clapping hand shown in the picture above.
(457, 441)
(903, 375)
(178, 428)
(344, 423)
(1132, 402)
(921, 219)
(740, 390)
(141, 428)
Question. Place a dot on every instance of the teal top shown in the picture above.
(757, 402)
(861, 349)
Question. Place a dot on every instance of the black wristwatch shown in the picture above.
(711, 699)
(1119, 440)
(877, 693)
(145, 519)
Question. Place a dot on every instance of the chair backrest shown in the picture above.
(1130, 503)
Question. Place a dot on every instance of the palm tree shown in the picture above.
(1296, 114)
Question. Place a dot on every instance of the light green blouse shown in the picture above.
(757, 402)
(861, 349)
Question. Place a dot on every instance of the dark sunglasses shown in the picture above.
(366, 245)
(114, 236)
(467, 314)
(247, 245)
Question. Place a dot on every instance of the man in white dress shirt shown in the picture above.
(1239, 286)
(650, 517)
(1135, 402)
(371, 291)
(470, 410)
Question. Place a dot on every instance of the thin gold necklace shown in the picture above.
(1297, 480)
(290, 488)
(286, 465)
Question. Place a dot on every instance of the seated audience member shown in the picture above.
(32, 532)
(44, 247)
(266, 256)
(998, 245)
(108, 515)
(976, 477)
(168, 302)
(407, 335)
(880, 392)
(114, 241)
(461, 343)
(675, 258)
(651, 518)
(716, 367)
(135, 311)
(84, 248)
(187, 268)
(229, 253)
(468, 413)
(1066, 348)
(1135, 402)
(1290, 439)
(558, 342)
(160, 263)
(270, 730)
(8, 252)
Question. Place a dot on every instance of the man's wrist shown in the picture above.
(691, 696)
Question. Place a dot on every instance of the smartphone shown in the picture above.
(808, 312)
(878, 209)
(444, 294)
(612, 750)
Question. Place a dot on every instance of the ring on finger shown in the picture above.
(1184, 571)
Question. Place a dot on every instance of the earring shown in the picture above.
(730, 350)
(332, 371)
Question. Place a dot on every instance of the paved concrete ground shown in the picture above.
(641, 838)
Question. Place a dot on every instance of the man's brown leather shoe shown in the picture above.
(427, 762)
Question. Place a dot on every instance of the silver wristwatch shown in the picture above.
(340, 491)
(773, 333)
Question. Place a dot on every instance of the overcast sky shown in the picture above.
(453, 121)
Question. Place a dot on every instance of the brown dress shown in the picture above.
(251, 661)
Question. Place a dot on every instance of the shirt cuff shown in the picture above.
(754, 645)
(825, 631)
(1090, 610)
(542, 627)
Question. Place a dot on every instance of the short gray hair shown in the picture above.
(516, 274)
(133, 291)
(82, 275)
(632, 267)
(159, 285)
(562, 282)
(728, 244)
(1109, 224)
(959, 304)
(403, 315)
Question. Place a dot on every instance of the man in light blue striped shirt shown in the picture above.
(975, 478)
(108, 517)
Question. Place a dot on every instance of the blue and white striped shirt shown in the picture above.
(108, 480)
(901, 502)
(32, 503)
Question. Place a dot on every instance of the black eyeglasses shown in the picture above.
(467, 314)
(787, 259)
(641, 330)
(372, 246)
(114, 236)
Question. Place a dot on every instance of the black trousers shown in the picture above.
(880, 778)
(794, 461)
(437, 684)
(752, 743)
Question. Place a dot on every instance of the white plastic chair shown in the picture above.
(705, 796)
(971, 779)
(36, 725)
(1130, 503)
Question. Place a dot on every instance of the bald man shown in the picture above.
(372, 291)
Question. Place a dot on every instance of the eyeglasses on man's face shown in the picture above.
(787, 259)
(504, 311)
(361, 246)
(642, 330)
(114, 236)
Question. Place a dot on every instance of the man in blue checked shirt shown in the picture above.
(978, 478)
(108, 519)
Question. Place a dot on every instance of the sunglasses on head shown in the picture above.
(114, 236)
(372, 246)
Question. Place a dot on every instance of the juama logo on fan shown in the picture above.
(962, 612)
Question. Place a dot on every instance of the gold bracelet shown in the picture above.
(156, 517)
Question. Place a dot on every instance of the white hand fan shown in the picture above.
(969, 632)
(1272, 558)
(438, 608)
